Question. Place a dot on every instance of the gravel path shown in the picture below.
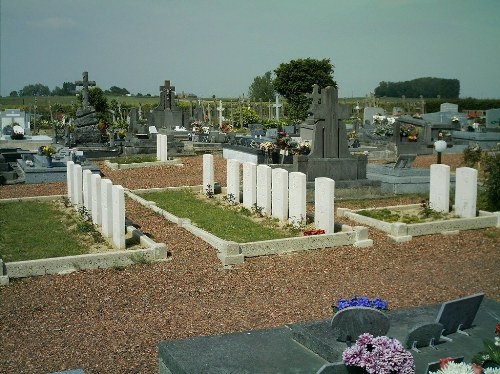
(110, 321)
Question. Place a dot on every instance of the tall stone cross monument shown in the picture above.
(85, 91)
(220, 109)
(167, 93)
(329, 135)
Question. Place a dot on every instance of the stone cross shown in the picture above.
(325, 113)
(277, 105)
(85, 91)
(166, 93)
(220, 109)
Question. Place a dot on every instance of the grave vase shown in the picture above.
(49, 161)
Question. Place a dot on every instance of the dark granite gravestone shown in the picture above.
(423, 335)
(459, 314)
(87, 129)
(329, 156)
(167, 114)
(272, 133)
(349, 323)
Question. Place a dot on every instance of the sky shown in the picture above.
(218, 47)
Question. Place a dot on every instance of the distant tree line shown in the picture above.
(68, 89)
(425, 87)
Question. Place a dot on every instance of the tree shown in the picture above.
(262, 88)
(98, 100)
(13, 94)
(117, 91)
(296, 78)
(426, 87)
(37, 89)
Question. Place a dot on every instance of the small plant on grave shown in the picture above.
(381, 214)
(375, 303)
(426, 211)
(229, 199)
(209, 191)
(472, 155)
(66, 202)
(245, 211)
(257, 210)
(85, 214)
(310, 232)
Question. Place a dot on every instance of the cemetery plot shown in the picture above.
(400, 231)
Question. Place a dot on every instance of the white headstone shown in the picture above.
(297, 198)
(324, 199)
(369, 112)
(70, 166)
(249, 185)
(466, 192)
(118, 235)
(233, 179)
(78, 186)
(96, 199)
(107, 207)
(264, 184)
(208, 173)
(280, 194)
(449, 107)
(439, 193)
(164, 146)
(158, 147)
(87, 190)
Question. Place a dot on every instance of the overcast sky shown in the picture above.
(217, 47)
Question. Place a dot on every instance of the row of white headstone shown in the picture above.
(161, 147)
(465, 190)
(104, 201)
(275, 192)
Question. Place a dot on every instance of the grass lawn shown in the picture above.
(216, 218)
(33, 230)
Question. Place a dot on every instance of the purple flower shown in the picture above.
(375, 303)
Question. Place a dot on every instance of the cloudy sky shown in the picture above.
(217, 47)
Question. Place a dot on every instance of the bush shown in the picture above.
(472, 155)
(492, 181)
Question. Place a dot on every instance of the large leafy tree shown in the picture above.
(262, 88)
(426, 87)
(68, 89)
(98, 100)
(296, 78)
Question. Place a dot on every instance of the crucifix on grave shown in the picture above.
(85, 90)
(220, 109)
(167, 93)
(329, 137)
(277, 106)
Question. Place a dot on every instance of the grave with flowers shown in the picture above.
(313, 347)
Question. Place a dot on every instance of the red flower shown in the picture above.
(443, 362)
(497, 330)
(313, 232)
(477, 369)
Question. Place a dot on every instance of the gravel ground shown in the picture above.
(110, 321)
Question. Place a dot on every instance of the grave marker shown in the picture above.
(324, 197)
(87, 190)
(458, 315)
(264, 184)
(249, 185)
(277, 107)
(107, 207)
(208, 173)
(70, 166)
(78, 186)
(297, 198)
(466, 192)
(439, 196)
(233, 179)
(279, 192)
(349, 323)
(118, 235)
(95, 184)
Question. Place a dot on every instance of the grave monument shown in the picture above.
(87, 129)
(167, 115)
(329, 156)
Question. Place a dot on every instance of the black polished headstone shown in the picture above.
(422, 334)
(349, 323)
(459, 314)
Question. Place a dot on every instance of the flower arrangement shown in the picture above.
(379, 355)
(47, 150)
(455, 119)
(17, 131)
(447, 366)
(226, 126)
(122, 133)
(384, 129)
(309, 232)
(375, 303)
(302, 148)
(353, 135)
(407, 130)
(267, 147)
(491, 353)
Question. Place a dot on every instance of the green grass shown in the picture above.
(33, 230)
(220, 220)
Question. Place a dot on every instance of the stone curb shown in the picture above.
(116, 166)
(231, 253)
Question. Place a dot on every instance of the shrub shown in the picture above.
(472, 155)
(492, 181)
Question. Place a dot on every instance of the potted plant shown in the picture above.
(17, 132)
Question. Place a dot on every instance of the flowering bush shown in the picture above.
(47, 150)
(380, 355)
(374, 303)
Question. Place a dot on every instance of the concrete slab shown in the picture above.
(305, 347)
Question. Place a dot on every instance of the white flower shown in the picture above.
(454, 368)
(492, 371)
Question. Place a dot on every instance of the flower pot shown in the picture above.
(49, 161)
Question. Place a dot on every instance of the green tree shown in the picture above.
(98, 100)
(248, 115)
(262, 88)
(117, 91)
(37, 89)
(13, 94)
(296, 78)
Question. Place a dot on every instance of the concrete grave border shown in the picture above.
(136, 165)
(231, 253)
(61, 265)
(402, 232)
